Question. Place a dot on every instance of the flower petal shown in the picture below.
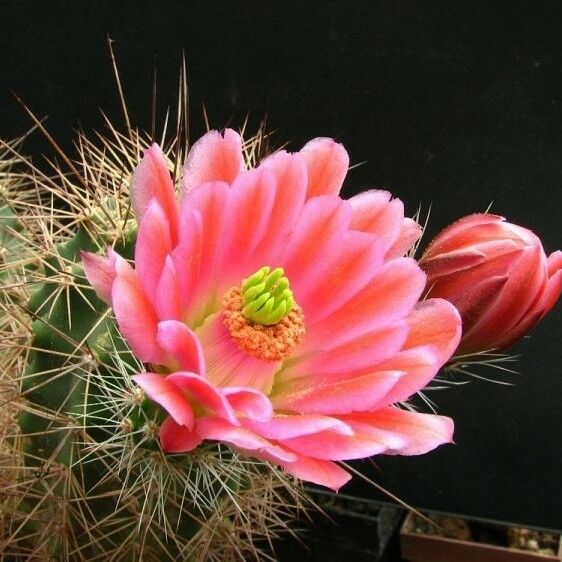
(175, 438)
(389, 296)
(375, 212)
(183, 345)
(214, 157)
(554, 284)
(253, 198)
(321, 224)
(554, 263)
(323, 473)
(358, 356)
(419, 365)
(524, 284)
(135, 314)
(152, 246)
(213, 203)
(168, 395)
(418, 433)
(167, 300)
(409, 234)
(449, 237)
(477, 298)
(327, 162)
(284, 426)
(249, 402)
(455, 260)
(435, 329)
(548, 298)
(307, 396)
(435, 322)
(220, 430)
(333, 446)
(152, 180)
(204, 393)
(290, 175)
(339, 274)
(187, 262)
(100, 272)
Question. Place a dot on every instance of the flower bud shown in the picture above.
(497, 275)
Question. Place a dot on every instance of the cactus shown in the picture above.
(82, 476)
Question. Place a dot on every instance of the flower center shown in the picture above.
(262, 315)
(266, 296)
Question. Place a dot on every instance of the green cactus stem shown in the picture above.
(82, 475)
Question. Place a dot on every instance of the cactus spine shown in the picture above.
(82, 476)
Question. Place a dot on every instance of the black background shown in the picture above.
(456, 104)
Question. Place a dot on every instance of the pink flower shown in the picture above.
(498, 277)
(303, 365)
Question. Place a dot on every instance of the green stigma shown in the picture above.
(266, 296)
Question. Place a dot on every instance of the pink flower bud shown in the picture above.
(497, 275)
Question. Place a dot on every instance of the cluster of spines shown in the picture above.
(82, 476)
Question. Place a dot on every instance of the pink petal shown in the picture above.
(220, 430)
(435, 322)
(477, 298)
(100, 272)
(452, 237)
(175, 438)
(152, 180)
(204, 393)
(453, 261)
(553, 287)
(152, 246)
(554, 263)
(284, 426)
(332, 446)
(249, 402)
(355, 357)
(307, 396)
(375, 212)
(546, 301)
(334, 277)
(327, 162)
(435, 329)
(168, 297)
(214, 157)
(527, 323)
(253, 198)
(183, 345)
(322, 222)
(168, 395)
(213, 201)
(290, 175)
(388, 440)
(524, 283)
(271, 453)
(418, 433)
(409, 234)
(323, 473)
(135, 314)
(419, 365)
(187, 262)
(389, 296)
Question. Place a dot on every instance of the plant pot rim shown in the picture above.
(421, 547)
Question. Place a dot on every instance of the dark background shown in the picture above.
(456, 104)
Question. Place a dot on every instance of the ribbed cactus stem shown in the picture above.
(87, 479)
